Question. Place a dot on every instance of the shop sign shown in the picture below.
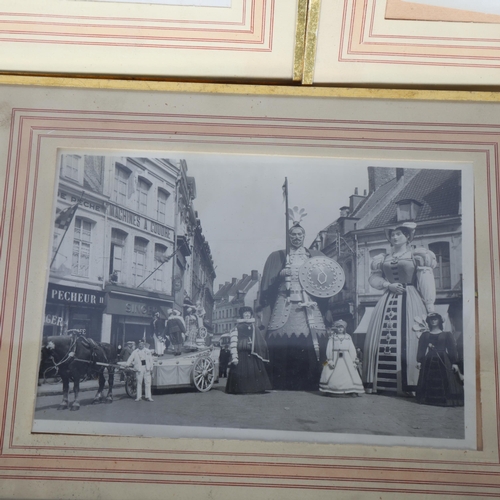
(61, 294)
(85, 203)
(138, 221)
(53, 319)
(135, 307)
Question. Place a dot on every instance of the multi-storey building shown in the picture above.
(120, 245)
(431, 198)
(230, 297)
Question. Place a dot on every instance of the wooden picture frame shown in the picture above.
(42, 116)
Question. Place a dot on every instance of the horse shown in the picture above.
(73, 359)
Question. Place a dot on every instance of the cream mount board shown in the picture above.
(359, 44)
(250, 39)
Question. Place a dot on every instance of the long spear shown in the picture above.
(287, 218)
(288, 279)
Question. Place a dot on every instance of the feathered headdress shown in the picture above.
(295, 216)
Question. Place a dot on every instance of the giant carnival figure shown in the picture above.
(295, 284)
(390, 352)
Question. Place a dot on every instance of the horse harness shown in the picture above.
(69, 356)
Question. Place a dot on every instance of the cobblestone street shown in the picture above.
(277, 410)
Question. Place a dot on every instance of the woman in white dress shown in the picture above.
(340, 374)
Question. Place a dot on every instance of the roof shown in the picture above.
(229, 291)
(439, 192)
(378, 196)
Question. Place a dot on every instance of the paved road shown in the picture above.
(276, 410)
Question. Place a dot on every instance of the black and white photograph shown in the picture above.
(269, 298)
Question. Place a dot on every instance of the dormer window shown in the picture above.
(408, 209)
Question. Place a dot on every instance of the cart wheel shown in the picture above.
(202, 332)
(131, 385)
(203, 374)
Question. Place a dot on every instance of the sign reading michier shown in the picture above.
(133, 219)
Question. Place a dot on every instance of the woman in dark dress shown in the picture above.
(437, 359)
(247, 373)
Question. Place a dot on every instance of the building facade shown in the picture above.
(230, 297)
(432, 199)
(121, 241)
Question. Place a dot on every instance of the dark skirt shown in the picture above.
(293, 365)
(438, 385)
(249, 376)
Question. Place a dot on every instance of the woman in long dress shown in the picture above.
(340, 374)
(247, 373)
(437, 359)
(391, 344)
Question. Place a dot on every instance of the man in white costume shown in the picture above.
(142, 362)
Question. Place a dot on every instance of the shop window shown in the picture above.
(82, 241)
(442, 271)
(160, 259)
(139, 263)
(143, 186)
(121, 186)
(71, 167)
(161, 205)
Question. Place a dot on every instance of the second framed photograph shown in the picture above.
(240, 276)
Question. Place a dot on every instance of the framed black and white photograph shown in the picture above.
(339, 321)
(201, 280)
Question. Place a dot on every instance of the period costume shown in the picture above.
(247, 373)
(391, 344)
(141, 361)
(191, 321)
(224, 359)
(438, 383)
(158, 329)
(296, 333)
(340, 374)
(174, 329)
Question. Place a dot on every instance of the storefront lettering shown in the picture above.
(124, 215)
(52, 319)
(133, 219)
(143, 309)
(58, 293)
(85, 203)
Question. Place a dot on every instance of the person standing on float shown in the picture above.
(296, 333)
(405, 274)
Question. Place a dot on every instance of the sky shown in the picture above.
(241, 208)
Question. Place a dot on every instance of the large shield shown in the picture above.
(322, 277)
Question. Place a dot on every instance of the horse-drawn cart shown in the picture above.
(198, 369)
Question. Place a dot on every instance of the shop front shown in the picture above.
(131, 317)
(73, 308)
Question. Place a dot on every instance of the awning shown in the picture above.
(365, 320)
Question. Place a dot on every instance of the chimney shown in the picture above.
(400, 172)
(220, 286)
(255, 275)
(354, 200)
(244, 276)
(227, 283)
(233, 281)
(378, 176)
(364, 192)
